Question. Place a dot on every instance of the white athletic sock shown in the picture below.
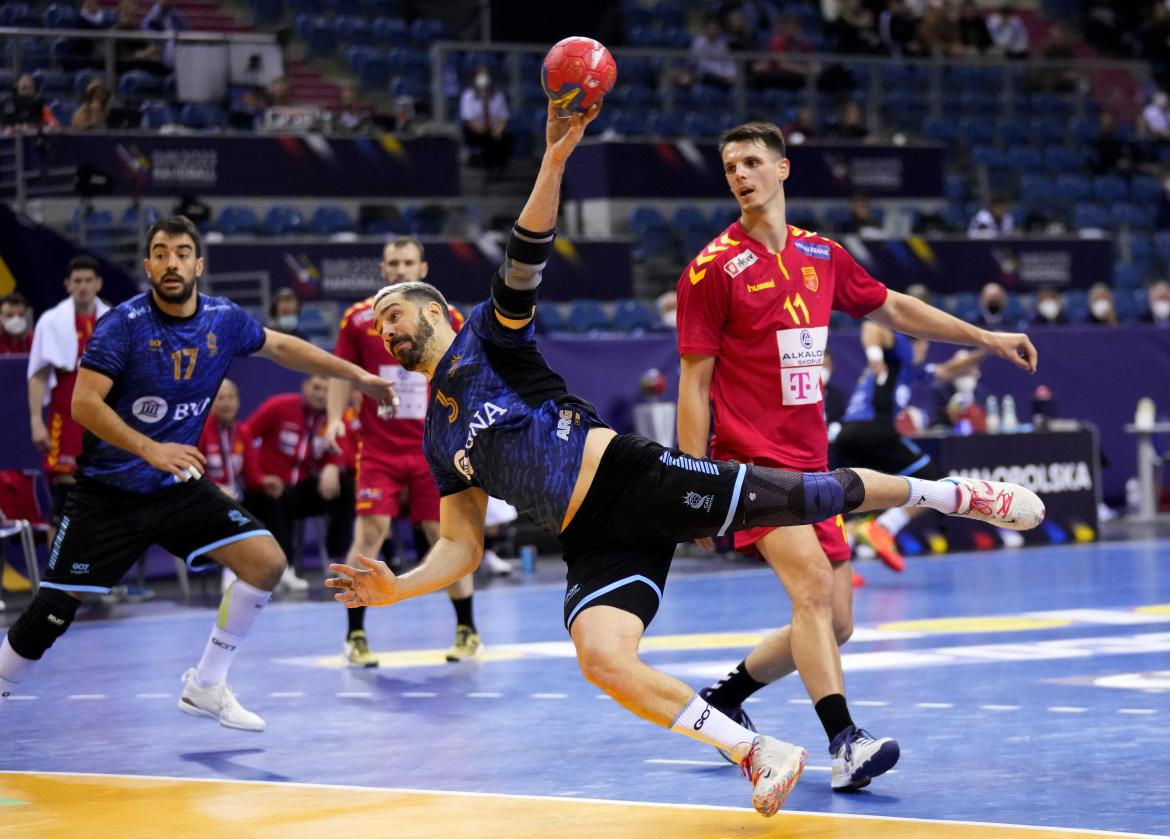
(894, 520)
(238, 610)
(937, 495)
(711, 726)
(13, 667)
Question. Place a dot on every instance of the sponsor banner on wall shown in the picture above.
(462, 270)
(685, 169)
(292, 166)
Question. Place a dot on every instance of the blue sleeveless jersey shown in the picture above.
(166, 372)
(872, 400)
(501, 420)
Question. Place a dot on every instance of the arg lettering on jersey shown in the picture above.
(802, 352)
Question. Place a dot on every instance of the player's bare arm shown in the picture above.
(455, 555)
(694, 403)
(913, 317)
(90, 409)
(289, 351)
(38, 384)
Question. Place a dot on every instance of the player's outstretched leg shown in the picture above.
(258, 563)
(607, 638)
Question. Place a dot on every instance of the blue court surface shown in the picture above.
(1025, 687)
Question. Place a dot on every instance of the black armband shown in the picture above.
(529, 248)
(514, 285)
(511, 302)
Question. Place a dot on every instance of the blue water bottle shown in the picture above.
(528, 558)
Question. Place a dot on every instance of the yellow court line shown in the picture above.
(128, 807)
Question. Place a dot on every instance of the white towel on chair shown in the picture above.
(55, 341)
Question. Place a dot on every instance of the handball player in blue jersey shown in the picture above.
(147, 378)
(501, 423)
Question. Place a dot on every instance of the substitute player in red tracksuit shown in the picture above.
(390, 460)
(753, 317)
(295, 457)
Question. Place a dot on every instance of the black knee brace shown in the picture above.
(779, 497)
(43, 622)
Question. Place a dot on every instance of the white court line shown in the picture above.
(752, 700)
(418, 694)
(934, 705)
(154, 695)
(550, 696)
(679, 762)
(353, 694)
(87, 696)
(657, 805)
(870, 703)
(287, 694)
(1000, 707)
(1137, 710)
(1066, 709)
(603, 696)
(21, 697)
(800, 702)
(484, 695)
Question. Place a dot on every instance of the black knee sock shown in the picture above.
(357, 618)
(734, 688)
(463, 611)
(834, 714)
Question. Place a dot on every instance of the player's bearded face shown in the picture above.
(410, 350)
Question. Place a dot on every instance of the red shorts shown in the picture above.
(830, 532)
(384, 486)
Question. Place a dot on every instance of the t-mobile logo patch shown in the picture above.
(800, 385)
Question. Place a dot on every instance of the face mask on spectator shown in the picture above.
(16, 324)
(1160, 309)
(965, 384)
(1100, 308)
(287, 321)
(483, 81)
(670, 319)
(1048, 309)
(993, 307)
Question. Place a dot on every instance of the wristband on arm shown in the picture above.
(515, 284)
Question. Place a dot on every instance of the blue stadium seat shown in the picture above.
(954, 187)
(267, 11)
(1109, 188)
(34, 53)
(237, 219)
(975, 130)
(549, 318)
(988, 155)
(312, 321)
(722, 216)
(358, 56)
(1076, 305)
(652, 234)
(95, 228)
(322, 41)
(1126, 276)
(1133, 216)
(586, 316)
(52, 83)
(1061, 158)
(688, 216)
(1047, 131)
(374, 74)
(328, 219)
(1024, 159)
(425, 220)
(1162, 245)
(157, 113)
(18, 14)
(136, 85)
(136, 215)
(1015, 132)
(801, 216)
(62, 110)
(629, 122)
(305, 22)
(1069, 189)
(59, 16)
(1141, 251)
(81, 80)
(373, 9)
(351, 29)
(1145, 189)
(200, 116)
(660, 124)
(632, 314)
(940, 130)
(1084, 130)
(1090, 216)
(1125, 303)
(72, 54)
(391, 31)
(283, 220)
(965, 306)
(425, 31)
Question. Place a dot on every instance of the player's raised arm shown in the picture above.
(515, 283)
(292, 352)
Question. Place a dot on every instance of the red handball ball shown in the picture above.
(577, 73)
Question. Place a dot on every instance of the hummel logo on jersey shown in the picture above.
(238, 518)
(735, 266)
(752, 289)
(812, 249)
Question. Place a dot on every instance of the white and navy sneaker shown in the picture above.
(218, 703)
(736, 715)
(858, 758)
(773, 767)
(1004, 505)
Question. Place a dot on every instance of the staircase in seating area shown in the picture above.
(308, 86)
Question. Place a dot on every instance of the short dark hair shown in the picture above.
(768, 133)
(14, 298)
(175, 226)
(416, 291)
(84, 262)
(403, 241)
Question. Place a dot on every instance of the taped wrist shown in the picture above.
(515, 283)
(780, 497)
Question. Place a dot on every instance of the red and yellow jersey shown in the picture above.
(764, 316)
(386, 439)
(65, 433)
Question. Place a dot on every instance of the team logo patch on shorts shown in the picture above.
(238, 518)
(696, 501)
(463, 464)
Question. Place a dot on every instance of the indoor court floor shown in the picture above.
(1029, 690)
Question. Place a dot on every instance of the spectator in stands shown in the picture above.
(1050, 308)
(92, 16)
(899, 30)
(1008, 33)
(1101, 308)
(787, 39)
(939, 31)
(973, 34)
(15, 325)
(740, 37)
(861, 218)
(803, 128)
(1157, 304)
(993, 221)
(484, 112)
(854, 29)
(94, 109)
(1155, 119)
(162, 17)
(1112, 152)
(233, 463)
(667, 304)
(992, 307)
(295, 456)
(130, 54)
(1059, 46)
(351, 115)
(280, 94)
(26, 109)
(285, 312)
(851, 126)
(194, 208)
(711, 54)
